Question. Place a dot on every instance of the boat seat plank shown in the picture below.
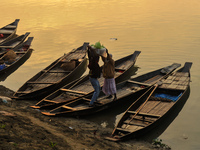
(123, 130)
(46, 100)
(52, 71)
(135, 123)
(140, 83)
(73, 91)
(10, 26)
(131, 128)
(2, 46)
(145, 114)
(6, 31)
(20, 52)
(67, 107)
(41, 82)
(23, 92)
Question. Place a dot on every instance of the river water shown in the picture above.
(164, 31)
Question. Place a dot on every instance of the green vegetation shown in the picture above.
(2, 126)
(98, 45)
(158, 143)
(51, 144)
(15, 144)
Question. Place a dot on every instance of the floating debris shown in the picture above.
(113, 39)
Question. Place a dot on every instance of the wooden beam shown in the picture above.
(4, 31)
(46, 100)
(67, 107)
(73, 91)
(23, 92)
(41, 82)
(123, 130)
(141, 124)
(52, 71)
(140, 83)
(10, 26)
(144, 114)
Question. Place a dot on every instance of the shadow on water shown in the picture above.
(111, 116)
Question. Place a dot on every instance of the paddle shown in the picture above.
(155, 86)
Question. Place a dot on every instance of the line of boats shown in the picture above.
(60, 89)
(14, 50)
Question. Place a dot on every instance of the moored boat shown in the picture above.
(124, 68)
(127, 92)
(65, 69)
(11, 44)
(18, 56)
(8, 31)
(150, 109)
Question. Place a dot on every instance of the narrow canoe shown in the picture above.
(125, 91)
(22, 51)
(8, 31)
(64, 70)
(11, 44)
(124, 68)
(149, 110)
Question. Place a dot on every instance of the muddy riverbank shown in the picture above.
(22, 128)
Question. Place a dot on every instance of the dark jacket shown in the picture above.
(95, 70)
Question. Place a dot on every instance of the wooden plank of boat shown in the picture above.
(84, 84)
(55, 75)
(55, 71)
(139, 83)
(125, 91)
(144, 114)
(41, 82)
(20, 57)
(145, 108)
(11, 44)
(77, 92)
(8, 31)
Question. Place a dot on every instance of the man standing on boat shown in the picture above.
(94, 73)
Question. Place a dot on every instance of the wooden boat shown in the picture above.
(22, 51)
(11, 44)
(8, 31)
(123, 68)
(148, 111)
(125, 91)
(62, 71)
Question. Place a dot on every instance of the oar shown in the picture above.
(155, 86)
